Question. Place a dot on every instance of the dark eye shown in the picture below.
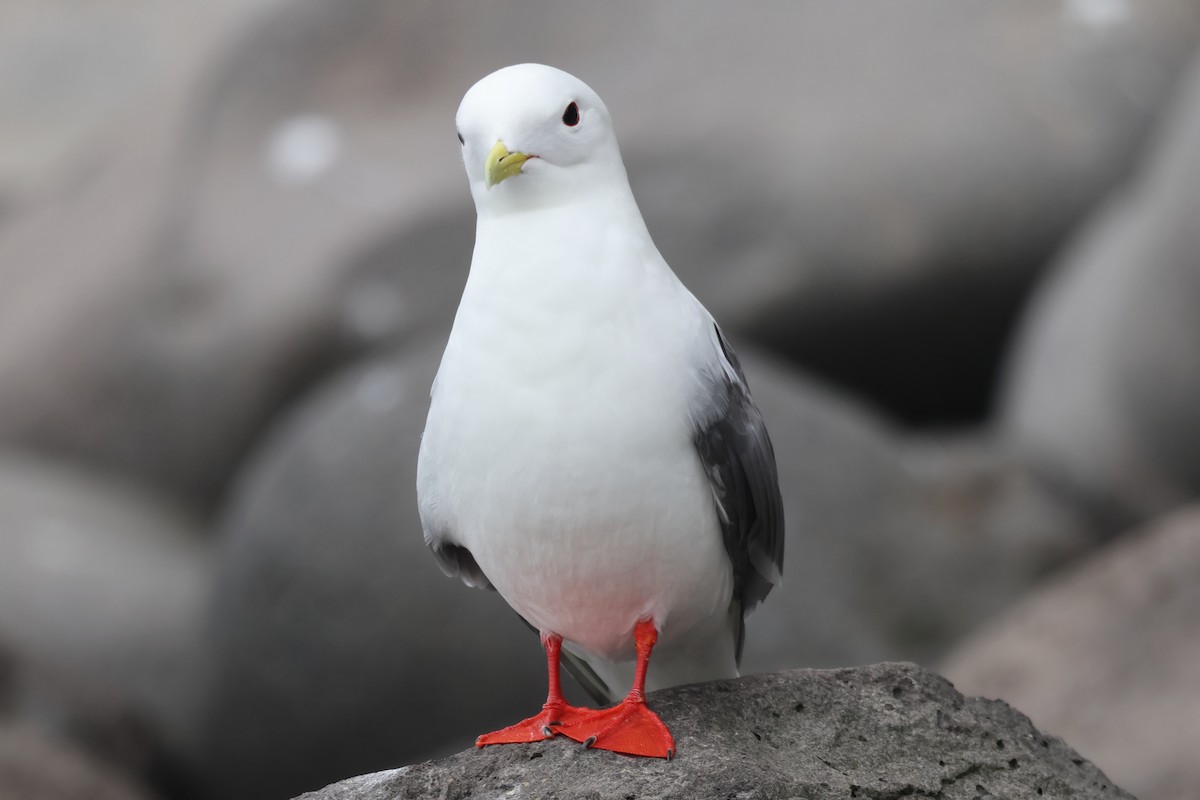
(461, 140)
(571, 116)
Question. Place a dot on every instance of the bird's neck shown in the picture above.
(585, 227)
(609, 198)
(579, 261)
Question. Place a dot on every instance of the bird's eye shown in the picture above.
(461, 140)
(571, 116)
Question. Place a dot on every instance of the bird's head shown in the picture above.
(534, 135)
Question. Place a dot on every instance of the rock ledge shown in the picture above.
(883, 732)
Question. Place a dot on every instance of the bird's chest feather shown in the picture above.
(566, 359)
(562, 450)
(554, 395)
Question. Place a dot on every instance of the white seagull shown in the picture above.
(592, 452)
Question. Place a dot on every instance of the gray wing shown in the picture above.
(735, 450)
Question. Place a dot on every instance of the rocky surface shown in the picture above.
(1106, 657)
(1105, 375)
(884, 731)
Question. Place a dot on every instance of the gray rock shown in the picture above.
(1105, 655)
(1014, 524)
(96, 360)
(1104, 379)
(883, 731)
(894, 550)
(63, 735)
(74, 73)
(103, 586)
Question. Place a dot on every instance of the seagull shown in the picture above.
(592, 452)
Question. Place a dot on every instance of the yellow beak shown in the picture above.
(502, 164)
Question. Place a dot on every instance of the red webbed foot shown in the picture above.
(630, 728)
(542, 725)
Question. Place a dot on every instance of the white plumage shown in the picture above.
(560, 461)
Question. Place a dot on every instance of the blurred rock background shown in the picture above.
(955, 244)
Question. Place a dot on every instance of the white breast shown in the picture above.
(558, 448)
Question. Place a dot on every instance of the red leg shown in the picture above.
(630, 727)
(555, 711)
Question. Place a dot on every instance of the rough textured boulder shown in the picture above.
(1105, 377)
(1106, 656)
(886, 731)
